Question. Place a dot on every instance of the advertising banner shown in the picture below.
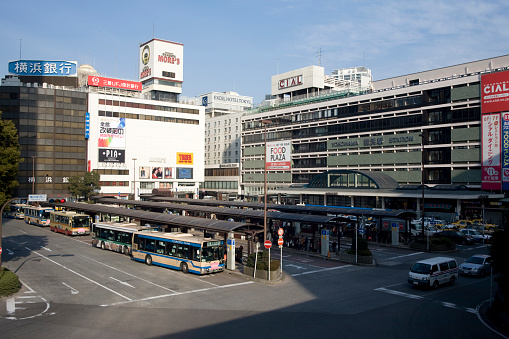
(184, 158)
(491, 152)
(279, 155)
(111, 132)
(162, 59)
(505, 151)
(114, 83)
(495, 92)
(111, 155)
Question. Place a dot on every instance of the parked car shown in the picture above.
(479, 264)
(462, 223)
(478, 236)
(457, 237)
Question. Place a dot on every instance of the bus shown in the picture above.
(16, 211)
(37, 215)
(181, 251)
(69, 223)
(116, 236)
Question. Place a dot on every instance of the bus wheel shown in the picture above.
(148, 260)
(103, 246)
(126, 250)
(184, 268)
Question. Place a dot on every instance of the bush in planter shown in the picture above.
(362, 246)
(442, 241)
(9, 283)
(262, 263)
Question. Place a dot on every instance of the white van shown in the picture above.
(433, 272)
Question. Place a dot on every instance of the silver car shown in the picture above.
(479, 264)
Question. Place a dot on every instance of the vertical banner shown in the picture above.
(279, 155)
(491, 152)
(505, 151)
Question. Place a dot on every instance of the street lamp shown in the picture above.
(33, 173)
(265, 122)
(134, 178)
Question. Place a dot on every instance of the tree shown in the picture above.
(10, 157)
(84, 186)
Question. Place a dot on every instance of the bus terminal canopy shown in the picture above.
(229, 212)
(161, 218)
(324, 210)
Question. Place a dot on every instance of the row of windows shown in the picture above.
(168, 248)
(113, 183)
(113, 235)
(221, 172)
(148, 106)
(108, 171)
(220, 185)
(148, 117)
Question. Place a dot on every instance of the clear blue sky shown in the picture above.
(238, 45)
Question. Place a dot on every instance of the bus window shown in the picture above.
(149, 245)
(172, 249)
(160, 247)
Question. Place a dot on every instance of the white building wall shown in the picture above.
(151, 143)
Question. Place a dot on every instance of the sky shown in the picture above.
(239, 45)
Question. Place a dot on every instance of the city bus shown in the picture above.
(37, 215)
(69, 223)
(16, 211)
(181, 251)
(116, 236)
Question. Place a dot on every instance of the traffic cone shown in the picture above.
(328, 254)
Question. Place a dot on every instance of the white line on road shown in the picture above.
(73, 290)
(322, 270)
(45, 248)
(23, 232)
(129, 274)
(177, 293)
(81, 275)
(406, 255)
(123, 282)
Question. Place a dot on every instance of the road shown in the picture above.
(73, 289)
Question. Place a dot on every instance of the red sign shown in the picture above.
(280, 232)
(495, 92)
(491, 152)
(0, 250)
(267, 244)
(114, 83)
(280, 241)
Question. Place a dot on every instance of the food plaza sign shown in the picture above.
(43, 68)
(394, 139)
(278, 155)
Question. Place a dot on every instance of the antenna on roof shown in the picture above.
(20, 49)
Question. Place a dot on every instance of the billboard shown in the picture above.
(184, 173)
(495, 92)
(491, 152)
(184, 158)
(278, 155)
(111, 155)
(505, 151)
(43, 68)
(111, 132)
(114, 83)
(161, 59)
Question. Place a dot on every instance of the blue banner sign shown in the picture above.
(43, 68)
(505, 151)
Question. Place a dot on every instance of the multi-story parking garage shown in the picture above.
(419, 128)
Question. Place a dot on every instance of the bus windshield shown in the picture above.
(81, 222)
(45, 214)
(212, 250)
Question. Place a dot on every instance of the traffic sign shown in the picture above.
(280, 232)
(280, 241)
(267, 244)
(0, 250)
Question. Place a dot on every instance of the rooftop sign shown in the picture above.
(43, 68)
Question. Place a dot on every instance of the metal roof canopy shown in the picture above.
(399, 214)
(309, 218)
(162, 218)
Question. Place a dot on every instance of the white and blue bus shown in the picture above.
(15, 211)
(37, 215)
(181, 251)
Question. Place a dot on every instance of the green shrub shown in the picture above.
(441, 241)
(9, 283)
(362, 244)
(365, 252)
(263, 260)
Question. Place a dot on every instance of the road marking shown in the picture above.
(402, 294)
(81, 275)
(406, 255)
(129, 274)
(177, 293)
(47, 249)
(11, 304)
(73, 290)
(319, 271)
(123, 282)
(9, 252)
(23, 232)
(297, 267)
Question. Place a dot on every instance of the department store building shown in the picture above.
(373, 147)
